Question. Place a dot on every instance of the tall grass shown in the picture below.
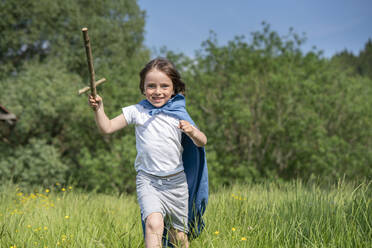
(264, 215)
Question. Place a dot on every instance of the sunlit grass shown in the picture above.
(265, 215)
(289, 215)
(64, 218)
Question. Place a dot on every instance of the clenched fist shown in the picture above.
(95, 103)
(186, 127)
(197, 136)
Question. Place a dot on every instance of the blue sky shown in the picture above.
(330, 25)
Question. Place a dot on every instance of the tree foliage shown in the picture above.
(43, 29)
(36, 163)
(271, 111)
(43, 65)
(268, 109)
(357, 65)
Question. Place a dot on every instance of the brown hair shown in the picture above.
(167, 67)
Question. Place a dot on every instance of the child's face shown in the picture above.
(158, 88)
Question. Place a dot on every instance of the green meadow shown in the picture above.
(276, 115)
(254, 215)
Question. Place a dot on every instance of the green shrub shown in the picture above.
(37, 163)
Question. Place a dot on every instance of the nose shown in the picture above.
(158, 90)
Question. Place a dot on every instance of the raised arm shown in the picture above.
(105, 125)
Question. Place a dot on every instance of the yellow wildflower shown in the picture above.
(47, 190)
(67, 217)
(233, 229)
(216, 232)
(70, 188)
(244, 238)
(63, 189)
(45, 228)
(28, 226)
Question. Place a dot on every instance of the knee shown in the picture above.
(179, 238)
(182, 237)
(154, 222)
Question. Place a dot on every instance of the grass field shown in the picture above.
(264, 215)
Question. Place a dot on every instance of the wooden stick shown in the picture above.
(85, 89)
(88, 51)
(93, 84)
(6, 117)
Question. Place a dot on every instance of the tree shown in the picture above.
(365, 60)
(270, 111)
(39, 29)
(356, 65)
(346, 61)
(43, 64)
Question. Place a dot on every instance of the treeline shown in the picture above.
(270, 111)
(360, 64)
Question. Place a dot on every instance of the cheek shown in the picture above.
(147, 93)
(170, 93)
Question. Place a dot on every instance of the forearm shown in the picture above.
(198, 137)
(102, 121)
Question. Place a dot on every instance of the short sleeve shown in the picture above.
(130, 114)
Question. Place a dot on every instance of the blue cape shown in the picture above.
(194, 163)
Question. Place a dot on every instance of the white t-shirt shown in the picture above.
(158, 141)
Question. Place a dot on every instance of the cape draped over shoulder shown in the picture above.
(194, 163)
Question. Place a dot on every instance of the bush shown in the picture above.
(270, 111)
(37, 163)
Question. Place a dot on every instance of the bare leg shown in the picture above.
(154, 230)
(178, 238)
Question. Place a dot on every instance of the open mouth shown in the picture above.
(157, 99)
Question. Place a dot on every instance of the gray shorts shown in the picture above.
(166, 195)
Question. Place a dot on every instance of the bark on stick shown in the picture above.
(88, 51)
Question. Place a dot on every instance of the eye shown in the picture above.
(151, 86)
(165, 86)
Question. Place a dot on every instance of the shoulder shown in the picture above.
(135, 114)
(135, 108)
